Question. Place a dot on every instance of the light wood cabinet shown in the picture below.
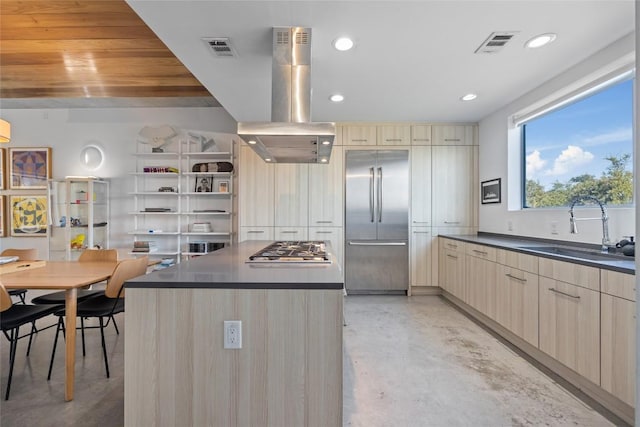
(359, 135)
(617, 335)
(332, 234)
(518, 260)
(451, 268)
(290, 233)
(481, 281)
(394, 135)
(421, 256)
(291, 195)
(454, 134)
(570, 326)
(577, 274)
(256, 233)
(517, 302)
(421, 186)
(256, 191)
(326, 192)
(421, 135)
(454, 186)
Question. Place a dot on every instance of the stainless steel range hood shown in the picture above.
(290, 137)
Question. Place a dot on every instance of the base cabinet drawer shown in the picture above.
(517, 302)
(618, 343)
(570, 326)
(255, 233)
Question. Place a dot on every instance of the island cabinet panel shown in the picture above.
(288, 371)
(517, 302)
(570, 326)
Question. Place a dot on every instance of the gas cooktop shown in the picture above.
(293, 251)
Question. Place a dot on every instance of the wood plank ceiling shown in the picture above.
(86, 49)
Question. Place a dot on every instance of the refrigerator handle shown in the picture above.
(379, 194)
(371, 173)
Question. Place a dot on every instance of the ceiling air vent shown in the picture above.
(496, 42)
(221, 47)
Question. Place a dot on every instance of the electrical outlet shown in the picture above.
(509, 225)
(554, 227)
(233, 334)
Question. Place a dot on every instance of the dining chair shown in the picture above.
(12, 316)
(23, 255)
(106, 305)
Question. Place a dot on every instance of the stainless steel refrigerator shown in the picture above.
(376, 221)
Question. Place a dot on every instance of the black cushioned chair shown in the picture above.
(106, 305)
(12, 316)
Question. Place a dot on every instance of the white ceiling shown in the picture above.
(412, 60)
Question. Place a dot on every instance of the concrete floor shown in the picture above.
(407, 362)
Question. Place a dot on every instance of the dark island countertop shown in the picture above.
(618, 263)
(227, 269)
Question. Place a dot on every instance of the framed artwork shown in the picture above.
(28, 215)
(223, 187)
(3, 228)
(490, 191)
(204, 184)
(3, 168)
(29, 168)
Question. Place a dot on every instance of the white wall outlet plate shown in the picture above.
(233, 334)
(554, 227)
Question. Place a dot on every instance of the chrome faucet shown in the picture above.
(606, 243)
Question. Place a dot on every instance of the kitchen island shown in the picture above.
(289, 369)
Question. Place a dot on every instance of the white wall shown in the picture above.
(494, 162)
(115, 130)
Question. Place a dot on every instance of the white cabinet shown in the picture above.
(291, 195)
(421, 135)
(454, 186)
(394, 135)
(291, 233)
(326, 192)
(454, 134)
(359, 135)
(423, 246)
(420, 186)
(256, 233)
(79, 216)
(255, 190)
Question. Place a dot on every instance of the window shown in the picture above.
(582, 148)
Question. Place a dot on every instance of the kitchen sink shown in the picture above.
(592, 255)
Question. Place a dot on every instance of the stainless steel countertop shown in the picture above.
(226, 268)
(513, 243)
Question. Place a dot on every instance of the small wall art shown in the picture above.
(223, 187)
(3, 228)
(204, 184)
(3, 168)
(30, 167)
(490, 191)
(28, 215)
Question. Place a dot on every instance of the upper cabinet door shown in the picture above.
(255, 195)
(359, 135)
(394, 135)
(454, 135)
(454, 186)
(291, 195)
(326, 192)
(421, 135)
(421, 186)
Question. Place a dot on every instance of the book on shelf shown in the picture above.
(157, 210)
(145, 250)
(144, 244)
(160, 169)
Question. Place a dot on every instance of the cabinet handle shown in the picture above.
(451, 256)
(564, 293)
(421, 232)
(421, 222)
(451, 245)
(324, 232)
(480, 252)
(393, 140)
(289, 231)
(516, 278)
(324, 222)
(255, 231)
(421, 139)
(452, 222)
(452, 139)
(359, 140)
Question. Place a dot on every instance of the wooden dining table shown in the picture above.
(59, 275)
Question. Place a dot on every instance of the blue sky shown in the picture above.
(576, 139)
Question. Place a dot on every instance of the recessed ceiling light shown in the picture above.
(323, 160)
(336, 97)
(252, 142)
(267, 160)
(541, 40)
(469, 97)
(325, 142)
(343, 43)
